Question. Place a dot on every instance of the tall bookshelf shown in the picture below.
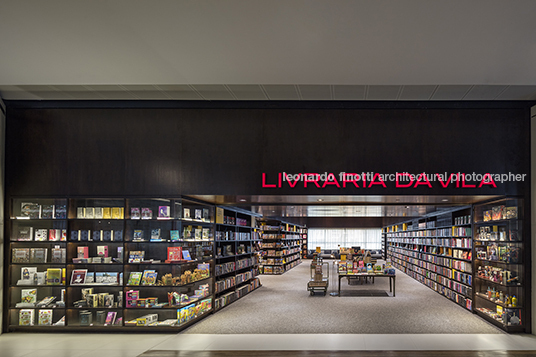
(281, 245)
(436, 250)
(501, 294)
(109, 264)
(237, 255)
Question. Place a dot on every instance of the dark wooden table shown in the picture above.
(392, 279)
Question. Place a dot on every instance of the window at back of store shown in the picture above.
(329, 238)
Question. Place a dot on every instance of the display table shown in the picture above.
(392, 279)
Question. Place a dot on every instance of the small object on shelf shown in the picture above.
(90, 212)
(135, 213)
(146, 213)
(26, 317)
(41, 235)
(134, 278)
(164, 212)
(175, 235)
(78, 277)
(106, 213)
(45, 317)
(54, 276)
(99, 214)
(186, 214)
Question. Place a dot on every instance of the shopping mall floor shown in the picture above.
(282, 316)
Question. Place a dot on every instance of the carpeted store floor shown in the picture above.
(283, 305)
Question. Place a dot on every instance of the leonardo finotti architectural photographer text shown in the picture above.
(400, 179)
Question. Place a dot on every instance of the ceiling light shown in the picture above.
(243, 200)
(320, 200)
(445, 199)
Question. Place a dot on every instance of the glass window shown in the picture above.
(330, 238)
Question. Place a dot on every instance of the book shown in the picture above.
(80, 212)
(136, 256)
(174, 254)
(109, 300)
(60, 211)
(206, 216)
(487, 216)
(82, 252)
(46, 301)
(78, 277)
(25, 234)
(30, 210)
(186, 255)
(38, 255)
(135, 213)
(85, 292)
(100, 317)
(175, 235)
(92, 300)
(117, 212)
(90, 212)
(155, 234)
(110, 318)
(27, 275)
(497, 212)
(106, 213)
(74, 236)
(54, 276)
(106, 277)
(198, 214)
(28, 296)
(44, 317)
(41, 235)
(205, 234)
(84, 235)
(163, 212)
(99, 213)
(20, 255)
(90, 277)
(146, 213)
(102, 251)
(54, 235)
(47, 211)
(96, 235)
(106, 236)
(186, 213)
(26, 317)
(39, 278)
(511, 212)
(117, 236)
(137, 235)
(134, 278)
(149, 277)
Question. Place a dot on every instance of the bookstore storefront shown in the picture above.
(78, 174)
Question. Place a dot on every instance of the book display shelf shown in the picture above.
(305, 247)
(436, 250)
(500, 291)
(280, 245)
(237, 255)
(111, 263)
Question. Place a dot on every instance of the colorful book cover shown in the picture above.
(496, 213)
(164, 212)
(186, 213)
(137, 235)
(136, 256)
(28, 296)
(174, 254)
(27, 274)
(103, 277)
(155, 234)
(511, 212)
(206, 234)
(117, 212)
(26, 317)
(106, 213)
(45, 317)
(134, 278)
(82, 252)
(78, 276)
(47, 211)
(41, 235)
(487, 216)
(146, 213)
(175, 235)
(54, 276)
(20, 255)
(110, 318)
(54, 235)
(102, 251)
(198, 214)
(186, 255)
(60, 211)
(135, 213)
(149, 277)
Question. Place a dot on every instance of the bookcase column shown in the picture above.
(2, 156)
(533, 211)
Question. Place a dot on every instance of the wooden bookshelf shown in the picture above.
(237, 255)
(281, 246)
(436, 250)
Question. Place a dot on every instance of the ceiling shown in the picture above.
(268, 50)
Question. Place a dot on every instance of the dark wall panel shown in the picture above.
(166, 152)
